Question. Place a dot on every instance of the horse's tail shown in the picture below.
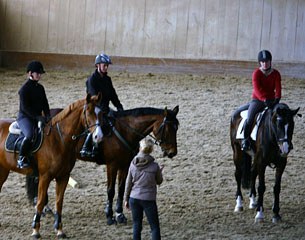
(246, 171)
(31, 186)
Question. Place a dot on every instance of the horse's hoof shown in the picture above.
(36, 235)
(120, 218)
(238, 209)
(111, 221)
(46, 210)
(259, 220)
(61, 236)
(276, 219)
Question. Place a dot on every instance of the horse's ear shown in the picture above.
(88, 98)
(165, 111)
(176, 109)
(294, 112)
(99, 96)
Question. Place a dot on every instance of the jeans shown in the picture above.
(151, 211)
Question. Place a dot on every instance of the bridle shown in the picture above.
(88, 126)
(161, 131)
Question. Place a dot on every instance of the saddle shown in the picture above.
(240, 130)
(15, 137)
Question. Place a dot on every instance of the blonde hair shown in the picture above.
(146, 145)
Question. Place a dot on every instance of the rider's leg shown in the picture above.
(245, 144)
(25, 148)
(254, 107)
(86, 150)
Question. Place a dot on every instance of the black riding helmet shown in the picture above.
(35, 66)
(264, 56)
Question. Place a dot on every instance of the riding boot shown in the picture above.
(86, 149)
(23, 161)
(245, 143)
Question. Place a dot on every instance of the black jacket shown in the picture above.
(33, 100)
(97, 83)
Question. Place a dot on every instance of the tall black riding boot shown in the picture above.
(23, 161)
(245, 143)
(86, 149)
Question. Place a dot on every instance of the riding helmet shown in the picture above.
(102, 58)
(264, 56)
(35, 66)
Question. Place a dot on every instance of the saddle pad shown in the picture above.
(13, 142)
(240, 130)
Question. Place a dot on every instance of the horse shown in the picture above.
(117, 150)
(271, 148)
(55, 159)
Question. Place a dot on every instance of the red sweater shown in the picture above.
(266, 87)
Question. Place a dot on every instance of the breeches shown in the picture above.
(27, 127)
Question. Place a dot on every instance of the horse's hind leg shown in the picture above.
(252, 194)
(261, 190)
(3, 176)
(120, 217)
(238, 175)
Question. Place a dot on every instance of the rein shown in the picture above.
(156, 141)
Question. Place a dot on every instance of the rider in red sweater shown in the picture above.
(267, 91)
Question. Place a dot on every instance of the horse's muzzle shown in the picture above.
(284, 148)
(169, 154)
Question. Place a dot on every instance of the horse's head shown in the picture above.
(283, 121)
(166, 132)
(92, 114)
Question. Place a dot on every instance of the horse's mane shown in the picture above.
(138, 112)
(67, 110)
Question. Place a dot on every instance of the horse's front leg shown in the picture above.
(42, 194)
(120, 217)
(261, 190)
(61, 185)
(276, 191)
(111, 178)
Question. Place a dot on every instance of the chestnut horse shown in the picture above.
(271, 148)
(55, 159)
(118, 149)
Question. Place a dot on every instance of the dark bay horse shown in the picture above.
(118, 149)
(271, 148)
(56, 158)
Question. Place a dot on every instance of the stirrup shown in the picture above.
(22, 162)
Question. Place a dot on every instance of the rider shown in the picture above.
(32, 102)
(98, 82)
(266, 92)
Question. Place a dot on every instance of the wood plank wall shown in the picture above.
(179, 29)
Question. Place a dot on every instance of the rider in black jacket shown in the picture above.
(32, 102)
(100, 82)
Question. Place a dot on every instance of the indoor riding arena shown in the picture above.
(199, 55)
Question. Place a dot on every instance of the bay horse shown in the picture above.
(55, 159)
(118, 149)
(271, 148)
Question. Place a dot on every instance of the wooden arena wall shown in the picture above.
(76, 30)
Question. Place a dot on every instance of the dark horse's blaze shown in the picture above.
(272, 146)
(119, 148)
